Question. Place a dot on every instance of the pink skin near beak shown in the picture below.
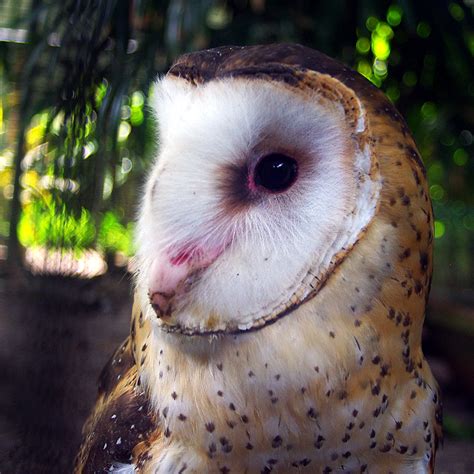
(171, 275)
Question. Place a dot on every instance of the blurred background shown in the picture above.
(76, 138)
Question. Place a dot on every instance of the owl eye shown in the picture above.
(276, 172)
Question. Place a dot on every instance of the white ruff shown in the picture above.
(279, 244)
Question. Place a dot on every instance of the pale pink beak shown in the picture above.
(172, 274)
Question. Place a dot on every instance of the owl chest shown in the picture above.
(255, 405)
(249, 437)
(215, 423)
(279, 432)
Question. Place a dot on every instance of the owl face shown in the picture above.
(259, 190)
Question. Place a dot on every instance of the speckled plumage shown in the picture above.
(334, 379)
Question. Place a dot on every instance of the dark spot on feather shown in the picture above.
(424, 260)
(386, 448)
(277, 442)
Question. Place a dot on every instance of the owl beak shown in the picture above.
(166, 281)
(172, 275)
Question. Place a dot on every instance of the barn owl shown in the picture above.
(284, 264)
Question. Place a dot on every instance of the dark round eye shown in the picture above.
(276, 172)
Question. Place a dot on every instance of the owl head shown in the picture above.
(266, 180)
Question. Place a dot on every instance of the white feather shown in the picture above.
(274, 244)
(120, 468)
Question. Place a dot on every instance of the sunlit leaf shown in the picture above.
(114, 236)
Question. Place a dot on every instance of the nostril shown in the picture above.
(161, 302)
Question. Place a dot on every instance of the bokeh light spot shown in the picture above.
(447, 139)
(439, 229)
(435, 172)
(371, 23)
(127, 165)
(384, 30)
(394, 15)
(429, 112)
(393, 92)
(456, 11)
(468, 222)
(460, 157)
(363, 45)
(380, 47)
(124, 131)
(363, 67)
(218, 17)
(466, 137)
(423, 29)
(125, 112)
(469, 38)
(380, 68)
(436, 192)
(409, 78)
(138, 99)
(89, 149)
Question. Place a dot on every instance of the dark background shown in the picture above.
(76, 138)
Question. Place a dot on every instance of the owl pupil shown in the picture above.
(276, 172)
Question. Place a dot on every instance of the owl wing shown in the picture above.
(122, 424)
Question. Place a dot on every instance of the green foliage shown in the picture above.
(114, 236)
(87, 70)
(51, 225)
(47, 225)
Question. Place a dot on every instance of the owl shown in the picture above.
(284, 263)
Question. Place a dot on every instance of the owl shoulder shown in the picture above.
(122, 421)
